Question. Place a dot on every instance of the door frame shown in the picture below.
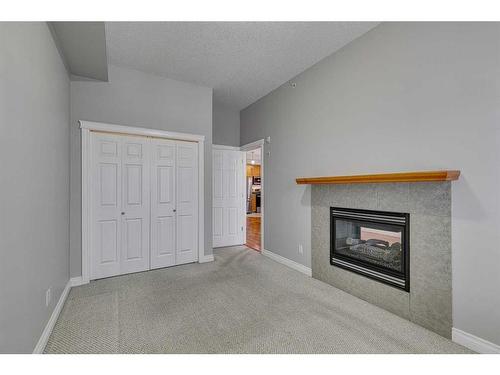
(243, 182)
(249, 147)
(89, 126)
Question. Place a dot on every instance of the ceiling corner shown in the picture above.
(83, 48)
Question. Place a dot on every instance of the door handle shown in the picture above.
(175, 210)
(123, 213)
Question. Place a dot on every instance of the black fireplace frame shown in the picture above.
(358, 264)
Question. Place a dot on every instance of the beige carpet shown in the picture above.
(241, 303)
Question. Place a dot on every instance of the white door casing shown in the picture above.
(228, 197)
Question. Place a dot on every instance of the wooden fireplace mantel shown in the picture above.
(446, 175)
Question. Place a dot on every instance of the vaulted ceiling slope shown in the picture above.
(241, 61)
(83, 48)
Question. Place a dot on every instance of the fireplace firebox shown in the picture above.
(375, 244)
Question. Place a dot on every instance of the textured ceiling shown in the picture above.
(241, 61)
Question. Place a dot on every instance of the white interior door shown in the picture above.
(106, 206)
(120, 195)
(135, 204)
(163, 203)
(186, 202)
(228, 197)
(174, 204)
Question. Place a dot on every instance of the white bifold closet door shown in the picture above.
(144, 204)
(228, 197)
(174, 203)
(121, 209)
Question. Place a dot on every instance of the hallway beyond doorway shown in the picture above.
(253, 231)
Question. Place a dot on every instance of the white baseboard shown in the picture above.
(207, 258)
(473, 342)
(44, 338)
(287, 262)
(77, 281)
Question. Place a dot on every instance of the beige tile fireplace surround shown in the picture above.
(429, 301)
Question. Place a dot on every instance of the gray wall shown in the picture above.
(143, 100)
(226, 126)
(405, 96)
(34, 199)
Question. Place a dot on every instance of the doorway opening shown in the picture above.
(254, 192)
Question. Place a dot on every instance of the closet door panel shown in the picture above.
(163, 194)
(108, 242)
(135, 204)
(106, 201)
(187, 202)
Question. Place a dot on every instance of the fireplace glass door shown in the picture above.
(378, 244)
(371, 242)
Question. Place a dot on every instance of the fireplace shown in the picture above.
(374, 244)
